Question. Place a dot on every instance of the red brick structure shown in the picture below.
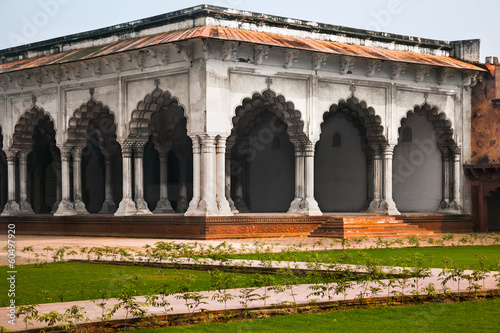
(484, 171)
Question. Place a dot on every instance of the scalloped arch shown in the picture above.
(141, 124)
(442, 124)
(25, 127)
(368, 122)
(82, 119)
(250, 108)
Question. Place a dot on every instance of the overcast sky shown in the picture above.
(26, 21)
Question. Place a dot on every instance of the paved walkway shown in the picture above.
(279, 244)
(302, 291)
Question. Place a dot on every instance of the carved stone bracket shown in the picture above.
(372, 66)
(53, 74)
(397, 69)
(138, 59)
(470, 79)
(291, 56)
(160, 55)
(318, 60)
(346, 64)
(186, 50)
(421, 72)
(444, 75)
(229, 50)
(116, 62)
(260, 52)
(3, 83)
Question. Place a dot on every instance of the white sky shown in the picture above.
(26, 21)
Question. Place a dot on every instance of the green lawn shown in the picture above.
(463, 257)
(72, 281)
(479, 316)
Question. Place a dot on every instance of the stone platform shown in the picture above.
(177, 226)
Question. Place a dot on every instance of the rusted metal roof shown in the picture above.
(244, 36)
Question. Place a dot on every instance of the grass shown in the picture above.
(463, 257)
(71, 281)
(478, 316)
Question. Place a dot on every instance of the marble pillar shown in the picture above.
(11, 207)
(24, 205)
(108, 206)
(445, 160)
(222, 202)
(141, 204)
(309, 205)
(456, 204)
(297, 202)
(208, 204)
(127, 205)
(376, 182)
(163, 206)
(195, 201)
(77, 181)
(65, 206)
(388, 206)
(182, 203)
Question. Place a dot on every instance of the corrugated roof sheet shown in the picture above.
(239, 35)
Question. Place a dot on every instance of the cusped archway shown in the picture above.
(93, 127)
(160, 122)
(262, 154)
(343, 175)
(35, 136)
(425, 140)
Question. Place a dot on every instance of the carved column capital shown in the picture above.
(139, 148)
(308, 149)
(208, 144)
(376, 152)
(11, 155)
(221, 145)
(388, 150)
(65, 153)
(127, 149)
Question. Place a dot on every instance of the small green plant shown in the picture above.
(127, 301)
(75, 314)
(29, 312)
(106, 312)
(159, 299)
(52, 318)
(246, 296)
(192, 300)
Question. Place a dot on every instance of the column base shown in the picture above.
(241, 205)
(80, 208)
(310, 207)
(295, 206)
(126, 208)
(455, 207)
(108, 207)
(25, 208)
(182, 205)
(209, 208)
(193, 207)
(55, 207)
(224, 208)
(388, 207)
(444, 206)
(374, 206)
(232, 206)
(11, 209)
(142, 207)
(163, 207)
(65, 208)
